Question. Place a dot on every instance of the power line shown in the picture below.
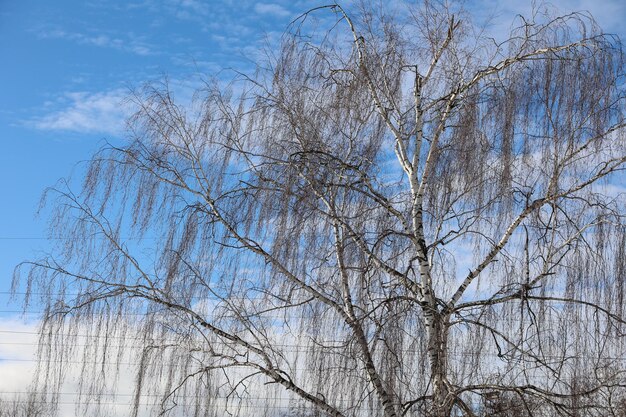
(74, 238)
(294, 348)
(122, 337)
(173, 397)
(113, 394)
(504, 357)
(225, 406)
(207, 296)
(244, 317)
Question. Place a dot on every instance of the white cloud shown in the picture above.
(19, 351)
(609, 14)
(195, 7)
(271, 9)
(130, 44)
(500, 14)
(16, 352)
(85, 112)
(18, 362)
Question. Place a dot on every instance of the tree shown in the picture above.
(396, 216)
(28, 405)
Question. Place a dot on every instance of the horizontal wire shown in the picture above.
(249, 316)
(229, 406)
(206, 297)
(504, 357)
(320, 344)
(113, 394)
(227, 402)
(78, 239)
(287, 307)
(107, 394)
(132, 338)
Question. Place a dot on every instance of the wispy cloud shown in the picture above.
(608, 13)
(193, 8)
(271, 9)
(84, 112)
(18, 366)
(18, 372)
(499, 14)
(129, 44)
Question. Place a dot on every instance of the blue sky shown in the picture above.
(69, 64)
(68, 67)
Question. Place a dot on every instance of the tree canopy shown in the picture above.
(396, 215)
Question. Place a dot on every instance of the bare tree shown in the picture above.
(25, 405)
(396, 216)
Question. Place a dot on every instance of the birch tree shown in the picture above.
(27, 405)
(396, 215)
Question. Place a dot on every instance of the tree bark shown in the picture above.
(438, 358)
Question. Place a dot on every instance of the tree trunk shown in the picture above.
(438, 358)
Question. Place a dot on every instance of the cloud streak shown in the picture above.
(85, 112)
(131, 45)
(271, 9)
(499, 14)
